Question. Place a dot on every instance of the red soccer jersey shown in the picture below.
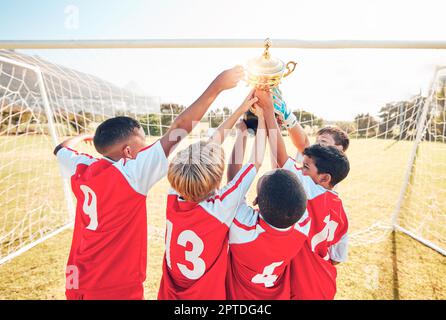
(195, 261)
(109, 246)
(312, 273)
(260, 255)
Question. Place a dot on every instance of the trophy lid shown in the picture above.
(265, 64)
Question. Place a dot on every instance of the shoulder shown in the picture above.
(245, 227)
(70, 159)
(336, 203)
(68, 152)
(239, 184)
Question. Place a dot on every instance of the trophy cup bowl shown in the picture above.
(265, 72)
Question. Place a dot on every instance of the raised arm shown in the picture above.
(299, 137)
(189, 118)
(74, 141)
(276, 143)
(224, 128)
(238, 151)
(297, 133)
(258, 149)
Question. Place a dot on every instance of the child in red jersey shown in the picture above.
(263, 242)
(313, 275)
(109, 247)
(199, 214)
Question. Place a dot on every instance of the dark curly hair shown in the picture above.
(329, 159)
(281, 198)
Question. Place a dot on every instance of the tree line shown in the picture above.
(395, 120)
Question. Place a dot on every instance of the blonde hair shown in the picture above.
(196, 171)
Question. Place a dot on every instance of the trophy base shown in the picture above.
(264, 83)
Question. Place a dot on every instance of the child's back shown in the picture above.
(260, 256)
(312, 271)
(199, 214)
(313, 275)
(197, 243)
(261, 251)
(111, 214)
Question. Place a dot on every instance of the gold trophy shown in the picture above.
(265, 72)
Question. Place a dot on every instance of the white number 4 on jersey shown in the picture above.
(267, 277)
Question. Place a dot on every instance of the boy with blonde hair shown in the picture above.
(199, 214)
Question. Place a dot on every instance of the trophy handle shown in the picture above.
(290, 68)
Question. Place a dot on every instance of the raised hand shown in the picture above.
(224, 128)
(249, 101)
(229, 79)
(73, 141)
(258, 111)
(265, 100)
(87, 138)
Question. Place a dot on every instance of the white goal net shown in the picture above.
(422, 209)
(42, 102)
(413, 131)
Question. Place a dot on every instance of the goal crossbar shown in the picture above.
(220, 43)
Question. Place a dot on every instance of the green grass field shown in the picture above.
(381, 265)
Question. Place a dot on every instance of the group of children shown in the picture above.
(217, 245)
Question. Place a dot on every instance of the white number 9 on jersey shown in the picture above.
(90, 207)
(193, 256)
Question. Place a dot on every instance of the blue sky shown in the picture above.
(24, 19)
(315, 19)
(131, 19)
(335, 84)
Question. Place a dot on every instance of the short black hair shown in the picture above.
(114, 130)
(339, 136)
(329, 159)
(281, 198)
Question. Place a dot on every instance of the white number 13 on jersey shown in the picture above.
(90, 207)
(193, 256)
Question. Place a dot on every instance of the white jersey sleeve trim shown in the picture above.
(339, 251)
(245, 228)
(223, 205)
(246, 215)
(304, 224)
(149, 166)
(69, 160)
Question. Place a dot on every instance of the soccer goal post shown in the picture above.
(420, 212)
(29, 217)
(41, 102)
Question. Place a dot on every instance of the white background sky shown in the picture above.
(334, 84)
